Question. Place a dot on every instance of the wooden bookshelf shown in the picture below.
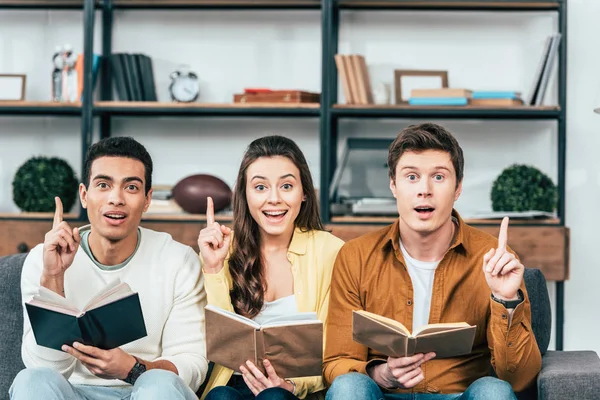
(42, 4)
(185, 217)
(468, 107)
(520, 5)
(390, 219)
(454, 112)
(48, 108)
(49, 216)
(249, 4)
(133, 108)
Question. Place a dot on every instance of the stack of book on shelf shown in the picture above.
(496, 98)
(354, 75)
(464, 97)
(266, 95)
(440, 97)
(133, 76)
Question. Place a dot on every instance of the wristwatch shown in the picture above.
(510, 303)
(135, 372)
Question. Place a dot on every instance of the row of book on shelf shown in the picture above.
(356, 84)
(133, 77)
(292, 343)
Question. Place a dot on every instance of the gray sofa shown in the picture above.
(565, 374)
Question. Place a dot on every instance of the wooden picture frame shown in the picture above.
(12, 87)
(407, 79)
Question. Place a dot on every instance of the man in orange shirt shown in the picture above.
(430, 267)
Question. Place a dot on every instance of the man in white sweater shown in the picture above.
(170, 362)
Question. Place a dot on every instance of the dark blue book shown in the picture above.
(111, 319)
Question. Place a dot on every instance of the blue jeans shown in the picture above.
(47, 384)
(359, 386)
(237, 389)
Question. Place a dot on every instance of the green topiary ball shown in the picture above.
(524, 188)
(39, 180)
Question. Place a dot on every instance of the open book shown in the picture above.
(393, 339)
(110, 319)
(293, 343)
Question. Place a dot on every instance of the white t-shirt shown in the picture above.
(421, 274)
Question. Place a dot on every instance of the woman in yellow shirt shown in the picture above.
(277, 260)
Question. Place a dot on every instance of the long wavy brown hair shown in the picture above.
(245, 262)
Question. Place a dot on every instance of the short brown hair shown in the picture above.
(423, 137)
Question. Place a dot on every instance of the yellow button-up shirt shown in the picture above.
(312, 255)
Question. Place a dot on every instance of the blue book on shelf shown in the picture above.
(96, 58)
(495, 95)
(438, 101)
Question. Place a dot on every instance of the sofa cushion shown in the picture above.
(541, 314)
(11, 328)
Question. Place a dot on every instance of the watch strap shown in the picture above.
(510, 303)
(138, 369)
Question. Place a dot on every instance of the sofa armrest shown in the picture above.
(569, 374)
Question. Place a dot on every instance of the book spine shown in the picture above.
(89, 330)
(438, 101)
(259, 345)
(496, 95)
(411, 345)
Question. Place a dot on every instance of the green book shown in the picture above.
(109, 320)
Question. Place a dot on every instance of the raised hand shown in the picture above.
(503, 271)
(60, 245)
(213, 241)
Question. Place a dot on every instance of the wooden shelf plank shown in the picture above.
(543, 247)
(464, 112)
(42, 4)
(156, 217)
(245, 4)
(389, 219)
(44, 216)
(520, 5)
(131, 108)
(48, 108)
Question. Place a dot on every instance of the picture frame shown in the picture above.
(12, 87)
(407, 80)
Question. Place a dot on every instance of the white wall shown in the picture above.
(232, 50)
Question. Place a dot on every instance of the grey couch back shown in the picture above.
(11, 311)
(11, 328)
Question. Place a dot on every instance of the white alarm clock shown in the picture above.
(184, 87)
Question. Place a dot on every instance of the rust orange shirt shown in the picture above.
(370, 274)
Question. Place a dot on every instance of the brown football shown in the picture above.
(191, 193)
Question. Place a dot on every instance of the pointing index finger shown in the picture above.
(503, 235)
(210, 211)
(58, 213)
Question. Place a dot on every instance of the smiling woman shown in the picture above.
(277, 261)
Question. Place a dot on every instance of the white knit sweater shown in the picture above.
(168, 278)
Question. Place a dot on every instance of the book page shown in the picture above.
(50, 300)
(434, 328)
(112, 292)
(232, 315)
(386, 321)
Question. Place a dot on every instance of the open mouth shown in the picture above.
(115, 216)
(424, 210)
(274, 214)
